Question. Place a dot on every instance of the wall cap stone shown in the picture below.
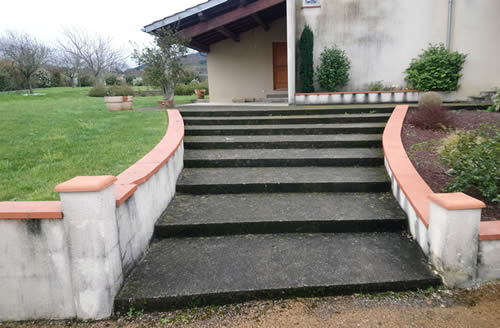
(489, 230)
(86, 184)
(31, 210)
(456, 201)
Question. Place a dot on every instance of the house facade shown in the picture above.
(251, 44)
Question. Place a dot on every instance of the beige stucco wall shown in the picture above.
(381, 37)
(244, 69)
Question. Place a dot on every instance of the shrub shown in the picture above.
(112, 80)
(86, 81)
(188, 89)
(376, 86)
(474, 157)
(432, 117)
(129, 79)
(306, 66)
(42, 78)
(430, 99)
(120, 90)
(4, 80)
(436, 68)
(333, 71)
(496, 103)
(98, 91)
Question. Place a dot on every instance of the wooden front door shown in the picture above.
(280, 65)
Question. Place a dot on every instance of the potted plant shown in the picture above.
(119, 98)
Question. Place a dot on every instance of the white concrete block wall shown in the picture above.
(35, 277)
(488, 266)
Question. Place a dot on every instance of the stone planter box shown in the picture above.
(117, 103)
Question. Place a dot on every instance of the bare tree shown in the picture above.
(70, 64)
(163, 61)
(95, 51)
(26, 53)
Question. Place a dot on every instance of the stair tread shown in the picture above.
(176, 272)
(284, 138)
(280, 207)
(284, 117)
(306, 153)
(285, 126)
(280, 175)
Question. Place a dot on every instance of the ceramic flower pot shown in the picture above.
(127, 102)
(114, 104)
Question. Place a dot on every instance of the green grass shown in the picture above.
(45, 140)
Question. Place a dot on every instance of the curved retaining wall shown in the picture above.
(68, 258)
(446, 226)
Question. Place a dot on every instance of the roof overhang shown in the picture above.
(217, 20)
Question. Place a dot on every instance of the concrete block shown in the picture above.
(489, 261)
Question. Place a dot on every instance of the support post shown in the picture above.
(290, 26)
(454, 237)
(89, 206)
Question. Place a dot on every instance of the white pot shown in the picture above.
(113, 104)
(127, 102)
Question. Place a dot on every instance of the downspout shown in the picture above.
(450, 19)
(290, 22)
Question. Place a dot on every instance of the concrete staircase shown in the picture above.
(277, 202)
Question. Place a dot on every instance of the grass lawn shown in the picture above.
(45, 140)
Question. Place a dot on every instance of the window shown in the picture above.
(311, 3)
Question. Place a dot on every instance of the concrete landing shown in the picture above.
(225, 214)
(216, 270)
(287, 179)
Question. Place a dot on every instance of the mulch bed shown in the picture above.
(421, 148)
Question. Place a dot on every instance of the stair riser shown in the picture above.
(283, 145)
(346, 119)
(301, 131)
(180, 302)
(284, 187)
(284, 112)
(375, 161)
(242, 228)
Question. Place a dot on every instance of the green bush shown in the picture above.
(474, 157)
(496, 103)
(333, 71)
(306, 66)
(4, 80)
(436, 68)
(98, 91)
(376, 86)
(86, 81)
(42, 78)
(112, 80)
(130, 79)
(188, 89)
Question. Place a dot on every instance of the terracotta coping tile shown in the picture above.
(489, 230)
(86, 184)
(354, 92)
(138, 173)
(456, 201)
(124, 192)
(31, 210)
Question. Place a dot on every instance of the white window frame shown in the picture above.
(311, 3)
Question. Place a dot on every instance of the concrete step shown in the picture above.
(228, 214)
(289, 119)
(288, 129)
(190, 272)
(279, 95)
(235, 111)
(488, 93)
(283, 141)
(283, 157)
(283, 179)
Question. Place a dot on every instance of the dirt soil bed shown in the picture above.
(475, 308)
(421, 148)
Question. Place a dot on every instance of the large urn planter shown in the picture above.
(117, 103)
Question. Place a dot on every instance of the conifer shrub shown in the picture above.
(306, 66)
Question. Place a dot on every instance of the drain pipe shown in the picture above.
(450, 19)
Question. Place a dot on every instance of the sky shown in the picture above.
(120, 19)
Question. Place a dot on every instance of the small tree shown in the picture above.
(95, 51)
(26, 54)
(333, 72)
(163, 61)
(436, 68)
(306, 66)
(71, 64)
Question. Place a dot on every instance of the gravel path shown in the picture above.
(431, 308)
